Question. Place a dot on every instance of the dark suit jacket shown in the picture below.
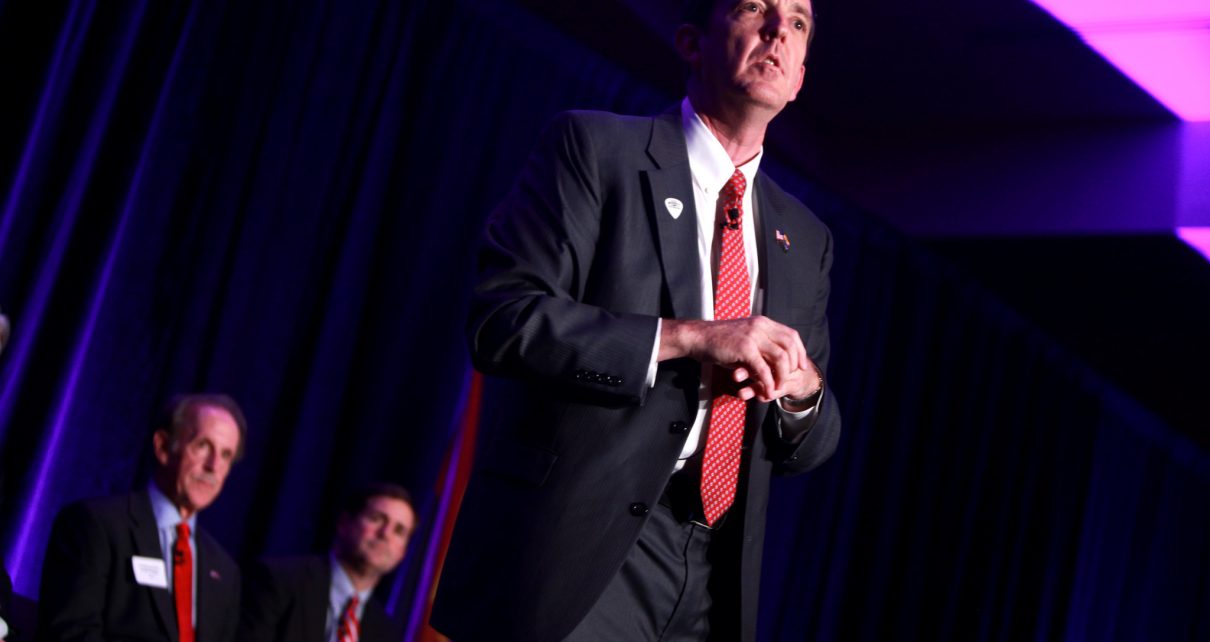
(88, 586)
(286, 600)
(578, 263)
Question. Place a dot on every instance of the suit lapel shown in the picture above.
(375, 623)
(669, 181)
(315, 597)
(147, 544)
(774, 265)
(774, 276)
(211, 585)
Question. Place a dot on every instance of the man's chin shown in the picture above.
(198, 501)
(384, 569)
(765, 94)
(380, 564)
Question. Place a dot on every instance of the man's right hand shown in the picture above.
(766, 358)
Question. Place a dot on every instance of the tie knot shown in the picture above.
(733, 200)
(353, 602)
(182, 530)
(734, 189)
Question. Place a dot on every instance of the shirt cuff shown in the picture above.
(793, 426)
(653, 365)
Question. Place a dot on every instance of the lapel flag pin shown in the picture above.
(214, 575)
(783, 240)
(674, 207)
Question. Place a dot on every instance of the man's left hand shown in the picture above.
(800, 383)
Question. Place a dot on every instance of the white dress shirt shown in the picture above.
(167, 516)
(711, 168)
(340, 590)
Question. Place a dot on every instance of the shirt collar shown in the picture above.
(342, 587)
(708, 161)
(167, 515)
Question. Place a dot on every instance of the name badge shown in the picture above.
(150, 571)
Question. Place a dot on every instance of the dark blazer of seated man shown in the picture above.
(327, 598)
(138, 566)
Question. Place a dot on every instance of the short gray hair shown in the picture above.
(180, 412)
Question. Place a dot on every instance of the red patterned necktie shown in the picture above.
(182, 583)
(732, 300)
(349, 629)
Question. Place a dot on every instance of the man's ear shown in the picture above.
(688, 43)
(159, 442)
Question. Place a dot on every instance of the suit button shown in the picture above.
(639, 509)
(617, 381)
(678, 427)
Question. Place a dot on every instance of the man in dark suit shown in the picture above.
(137, 566)
(326, 599)
(667, 327)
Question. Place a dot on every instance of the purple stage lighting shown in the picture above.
(1198, 238)
(1163, 45)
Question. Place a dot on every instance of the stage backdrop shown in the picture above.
(280, 200)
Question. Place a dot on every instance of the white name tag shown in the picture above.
(150, 571)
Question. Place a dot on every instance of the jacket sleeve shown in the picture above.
(528, 318)
(821, 438)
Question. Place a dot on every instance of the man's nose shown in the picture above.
(776, 26)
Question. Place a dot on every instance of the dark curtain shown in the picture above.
(987, 486)
(276, 200)
(280, 200)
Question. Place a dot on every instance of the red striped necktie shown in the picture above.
(182, 582)
(349, 629)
